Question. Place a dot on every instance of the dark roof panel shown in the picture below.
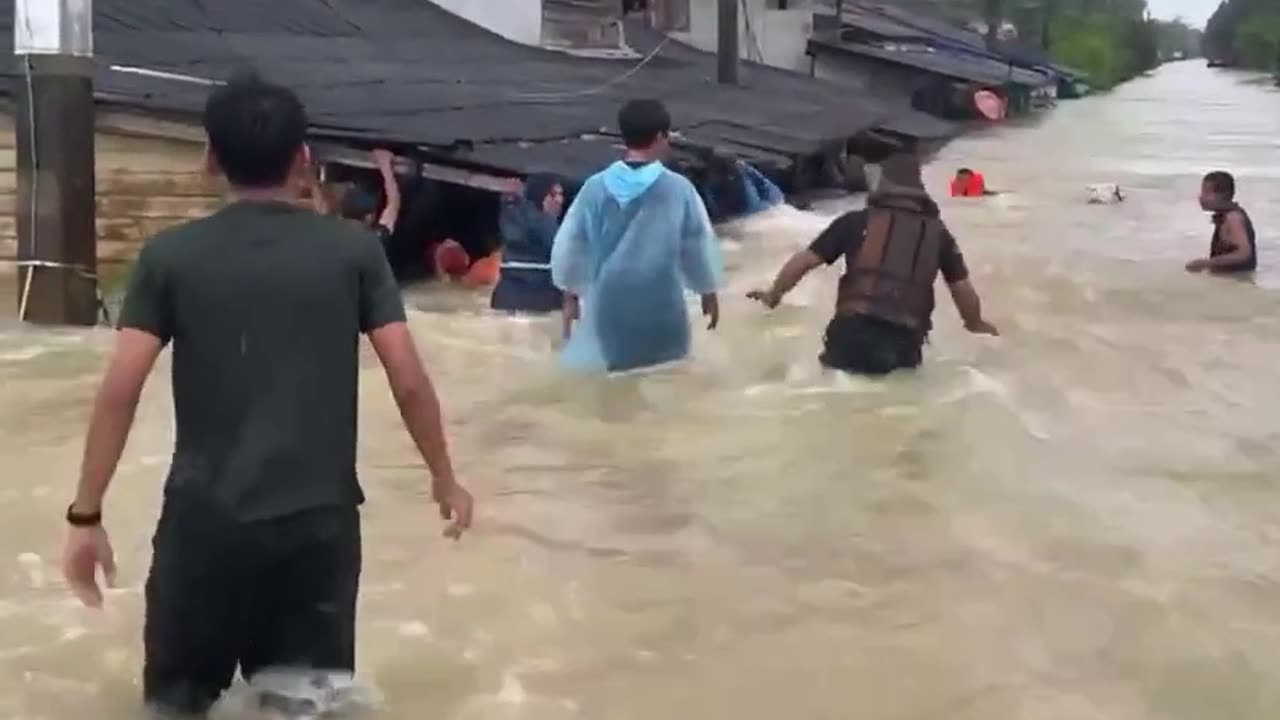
(953, 64)
(407, 71)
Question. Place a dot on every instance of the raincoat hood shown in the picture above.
(626, 183)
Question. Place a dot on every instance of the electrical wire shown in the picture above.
(599, 88)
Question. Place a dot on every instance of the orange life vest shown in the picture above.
(485, 271)
(974, 186)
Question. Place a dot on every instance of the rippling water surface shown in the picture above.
(1078, 520)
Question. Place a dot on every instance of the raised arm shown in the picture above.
(390, 188)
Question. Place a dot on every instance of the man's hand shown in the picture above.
(768, 298)
(711, 310)
(383, 159)
(982, 327)
(1199, 265)
(87, 549)
(456, 504)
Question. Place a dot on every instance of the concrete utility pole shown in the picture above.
(727, 30)
(54, 123)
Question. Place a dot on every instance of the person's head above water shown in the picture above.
(1217, 191)
(257, 134)
(901, 171)
(360, 204)
(545, 192)
(646, 128)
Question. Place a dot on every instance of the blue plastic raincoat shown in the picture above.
(633, 241)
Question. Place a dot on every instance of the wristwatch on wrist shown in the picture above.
(78, 519)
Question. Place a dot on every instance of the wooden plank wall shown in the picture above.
(144, 185)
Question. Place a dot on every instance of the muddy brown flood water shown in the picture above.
(1077, 521)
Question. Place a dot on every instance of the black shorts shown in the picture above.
(869, 346)
(222, 595)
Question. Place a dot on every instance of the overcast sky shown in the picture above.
(1195, 11)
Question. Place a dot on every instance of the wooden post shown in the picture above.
(727, 31)
(54, 124)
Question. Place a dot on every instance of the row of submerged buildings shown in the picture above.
(474, 94)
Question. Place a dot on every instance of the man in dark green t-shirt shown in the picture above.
(257, 554)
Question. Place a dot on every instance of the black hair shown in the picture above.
(359, 203)
(902, 170)
(643, 122)
(964, 171)
(537, 186)
(255, 130)
(1221, 183)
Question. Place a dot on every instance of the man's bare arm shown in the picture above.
(967, 301)
(416, 397)
(113, 411)
(390, 187)
(792, 272)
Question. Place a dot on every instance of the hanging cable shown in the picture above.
(599, 88)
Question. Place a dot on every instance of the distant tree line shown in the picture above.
(1245, 33)
(1111, 40)
(1176, 39)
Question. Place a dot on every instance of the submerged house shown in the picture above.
(467, 109)
(936, 67)
(894, 53)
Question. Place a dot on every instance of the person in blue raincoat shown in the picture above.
(635, 239)
(736, 189)
(528, 224)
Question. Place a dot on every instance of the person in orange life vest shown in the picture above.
(968, 183)
(452, 262)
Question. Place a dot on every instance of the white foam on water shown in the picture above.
(460, 590)
(23, 354)
(980, 383)
(298, 694)
(512, 691)
(414, 629)
(543, 614)
(34, 567)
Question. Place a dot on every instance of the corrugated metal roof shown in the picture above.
(948, 63)
(892, 22)
(407, 71)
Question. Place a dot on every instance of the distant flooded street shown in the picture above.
(1077, 521)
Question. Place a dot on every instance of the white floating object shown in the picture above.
(1105, 194)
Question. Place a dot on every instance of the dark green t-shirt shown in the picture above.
(264, 304)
